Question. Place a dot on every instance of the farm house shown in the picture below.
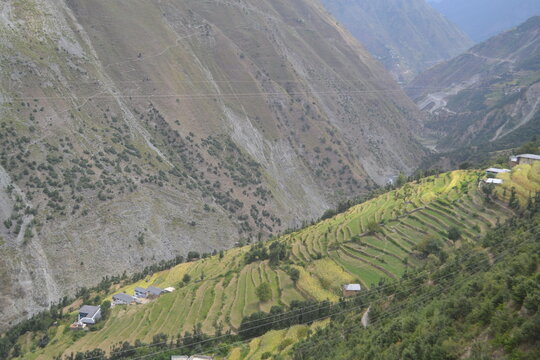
(123, 299)
(351, 289)
(89, 314)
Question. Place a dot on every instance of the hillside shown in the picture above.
(482, 19)
(489, 94)
(406, 36)
(474, 308)
(136, 131)
(371, 243)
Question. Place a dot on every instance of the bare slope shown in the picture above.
(407, 36)
(134, 131)
(491, 93)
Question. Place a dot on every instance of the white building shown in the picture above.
(351, 289)
(89, 314)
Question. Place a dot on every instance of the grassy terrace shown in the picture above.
(222, 291)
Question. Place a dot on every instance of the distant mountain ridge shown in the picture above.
(406, 36)
(482, 19)
(489, 94)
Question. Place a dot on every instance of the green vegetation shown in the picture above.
(481, 304)
(264, 292)
(221, 293)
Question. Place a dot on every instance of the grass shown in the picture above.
(324, 255)
(276, 342)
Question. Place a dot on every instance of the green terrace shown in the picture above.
(380, 239)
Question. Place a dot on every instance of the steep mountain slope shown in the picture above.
(407, 36)
(135, 131)
(482, 19)
(491, 93)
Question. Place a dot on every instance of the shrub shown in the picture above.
(264, 292)
(454, 233)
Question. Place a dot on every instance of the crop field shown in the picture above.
(525, 179)
(369, 242)
(277, 342)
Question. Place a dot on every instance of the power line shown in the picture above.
(477, 266)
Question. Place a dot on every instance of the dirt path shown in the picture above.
(365, 318)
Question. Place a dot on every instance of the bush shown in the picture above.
(454, 233)
(374, 227)
(264, 292)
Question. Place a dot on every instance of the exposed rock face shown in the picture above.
(488, 95)
(407, 36)
(136, 130)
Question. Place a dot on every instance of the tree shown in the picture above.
(264, 292)
(187, 278)
(373, 227)
(401, 180)
(105, 309)
(454, 233)
(513, 202)
(294, 274)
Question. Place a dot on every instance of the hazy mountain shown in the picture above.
(136, 130)
(491, 93)
(407, 36)
(482, 19)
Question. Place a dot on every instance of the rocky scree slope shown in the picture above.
(135, 131)
(489, 94)
(407, 36)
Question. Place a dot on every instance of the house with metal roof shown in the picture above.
(140, 292)
(351, 289)
(495, 171)
(89, 314)
(527, 158)
(493, 181)
(122, 299)
(154, 291)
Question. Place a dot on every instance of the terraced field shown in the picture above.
(276, 342)
(333, 252)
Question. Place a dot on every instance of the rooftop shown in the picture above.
(497, 170)
(352, 287)
(529, 156)
(123, 297)
(154, 290)
(89, 310)
(494, 181)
